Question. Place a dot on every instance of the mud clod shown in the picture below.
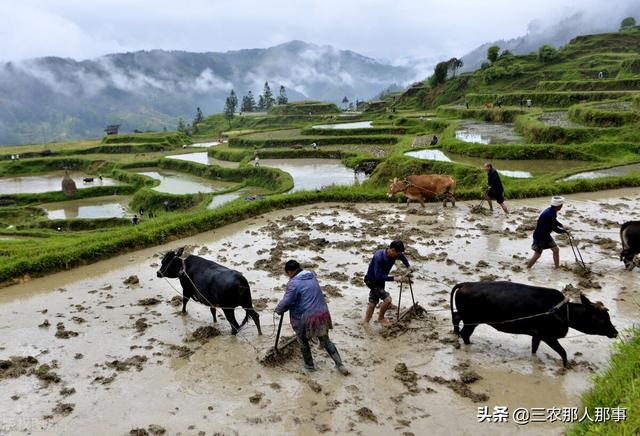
(16, 366)
(366, 414)
(460, 388)
(203, 334)
(62, 333)
(156, 429)
(151, 301)
(407, 377)
(131, 280)
(63, 409)
(256, 398)
(136, 362)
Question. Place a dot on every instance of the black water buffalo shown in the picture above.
(630, 238)
(543, 313)
(87, 179)
(211, 284)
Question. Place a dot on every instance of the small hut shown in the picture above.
(112, 129)
(68, 185)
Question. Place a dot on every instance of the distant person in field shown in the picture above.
(434, 140)
(134, 220)
(529, 103)
(256, 161)
(495, 191)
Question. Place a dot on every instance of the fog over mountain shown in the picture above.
(558, 32)
(53, 98)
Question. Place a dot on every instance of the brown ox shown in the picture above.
(296, 146)
(424, 187)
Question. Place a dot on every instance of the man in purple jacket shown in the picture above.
(308, 313)
(378, 274)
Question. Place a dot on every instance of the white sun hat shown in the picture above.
(557, 201)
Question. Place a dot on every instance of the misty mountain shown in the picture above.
(556, 33)
(53, 98)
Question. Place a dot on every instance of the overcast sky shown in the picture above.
(383, 29)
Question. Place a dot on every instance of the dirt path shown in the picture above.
(120, 357)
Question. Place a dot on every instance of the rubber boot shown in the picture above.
(307, 356)
(333, 352)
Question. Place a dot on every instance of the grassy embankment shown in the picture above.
(615, 387)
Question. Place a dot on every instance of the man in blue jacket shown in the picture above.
(542, 239)
(308, 313)
(377, 276)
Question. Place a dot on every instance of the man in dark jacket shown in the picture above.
(547, 223)
(495, 190)
(378, 274)
(308, 313)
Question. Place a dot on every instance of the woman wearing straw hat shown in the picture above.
(547, 223)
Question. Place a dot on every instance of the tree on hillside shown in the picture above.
(453, 65)
(439, 74)
(345, 101)
(197, 120)
(282, 97)
(248, 103)
(492, 53)
(547, 54)
(628, 23)
(230, 106)
(182, 127)
(268, 96)
(199, 117)
(261, 104)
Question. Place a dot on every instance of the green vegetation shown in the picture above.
(585, 104)
(307, 107)
(615, 388)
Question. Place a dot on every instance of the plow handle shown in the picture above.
(275, 347)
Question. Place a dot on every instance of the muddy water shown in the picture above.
(311, 174)
(487, 133)
(620, 171)
(173, 182)
(205, 159)
(211, 389)
(340, 126)
(98, 207)
(48, 182)
(506, 167)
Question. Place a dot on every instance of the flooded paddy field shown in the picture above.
(173, 182)
(480, 132)
(508, 167)
(340, 126)
(558, 119)
(47, 182)
(311, 174)
(618, 171)
(87, 208)
(205, 144)
(126, 348)
(205, 159)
